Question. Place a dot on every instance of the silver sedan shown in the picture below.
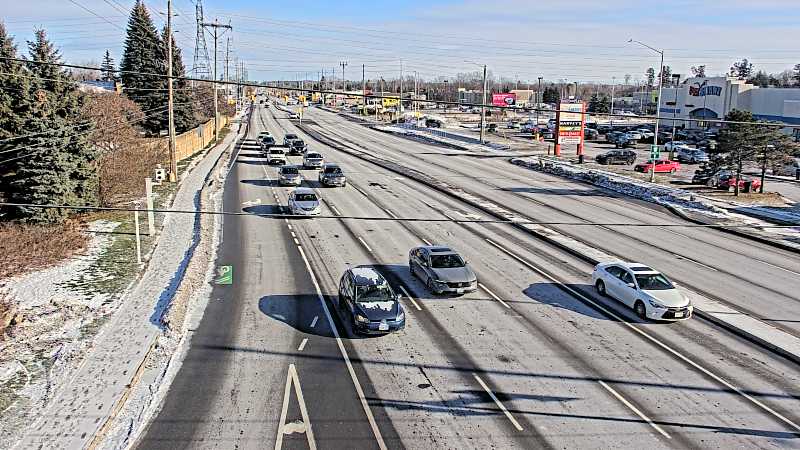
(442, 269)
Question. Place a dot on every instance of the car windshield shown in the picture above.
(333, 170)
(373, 293)
(289, 171)
(305, 197)
(446, 261)
(313, 156)
(276, 152)
(291, 136)
(653, 282)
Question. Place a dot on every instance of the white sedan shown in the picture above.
(645, 290)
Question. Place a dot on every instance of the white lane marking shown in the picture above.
(695, 262)
(293, 235)
(413, 302)
(426, 241)
(493, 295)
(497, 402)
(335, 211)
(302, 344)
(778, 267)
(448, 216)
(314, 322)
(287, 223)
(283, 428)
(296, 242)
(359, 390)
(252, 202)
(365, 244)
(649, 337)
(634, 409)
(391, 214)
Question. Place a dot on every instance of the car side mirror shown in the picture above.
(631, 285)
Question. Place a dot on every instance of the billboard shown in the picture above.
(570, 120)
(390, 101)
(506, 99)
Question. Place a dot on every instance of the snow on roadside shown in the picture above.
(51, 338)
(664, 195)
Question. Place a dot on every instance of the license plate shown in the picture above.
(383, 327)
(459, 291)
(679, 314)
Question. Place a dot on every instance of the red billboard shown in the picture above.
(506, 99)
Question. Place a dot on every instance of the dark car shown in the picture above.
(267, 142)
(702, 175)
(297, 147)
(331, 175)
(367, 300)
(624, 140)
(433, 123)
(616, 157)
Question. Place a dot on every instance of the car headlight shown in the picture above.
(655, 304)
(362, 319)
(401, 317)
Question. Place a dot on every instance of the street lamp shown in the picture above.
(483, 103)
(538, 106)
(658, 101)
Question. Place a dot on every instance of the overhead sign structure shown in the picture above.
(570, 121)
(506, 99)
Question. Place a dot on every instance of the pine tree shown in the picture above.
(142, 56)
(59, 165)
(107, 68)
(14, 107)
(183, 108)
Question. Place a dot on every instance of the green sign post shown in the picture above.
(224, 275)
(655, 152)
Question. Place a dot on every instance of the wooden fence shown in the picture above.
(190, 142)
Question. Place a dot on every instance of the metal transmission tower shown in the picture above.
(200, 65)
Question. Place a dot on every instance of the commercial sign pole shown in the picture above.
(570, 120)
(483, 104)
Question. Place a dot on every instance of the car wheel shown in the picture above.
(601, 288)
(672, 170)
(429, 285)
(640, 309)
(411, 268)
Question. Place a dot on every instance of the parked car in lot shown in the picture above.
(702, 175)
(513, 125)
(289, 176)
(661, 166)
(624, 140)
(634, 135)
(297, 147)
(642, 288)
(304, 202)
(276, 155)
(787, 168)
(433, 123)
(590, 134)
(646, 134)
(691, 155)
(332, 175)
(442, 270)
(726, 179)
(288, 138)
(674, 145)
(368, 302)
(312, 160)
(611, 136)
(616, 157)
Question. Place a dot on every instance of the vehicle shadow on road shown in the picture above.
(251, 154)
(263, 183)
(558, 191)
(256, 162)
(554, 295)
(298, 311)
(264, 209)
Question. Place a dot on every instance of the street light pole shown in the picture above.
(658, 102)
(611, 117)
(483, 105)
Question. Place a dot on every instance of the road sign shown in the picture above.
(655, 152)
(224, 275)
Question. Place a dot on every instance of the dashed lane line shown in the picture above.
(634, 409)
(302, 344)
(369, 249)
(314, 322)
(493, 295)
(413, 302)
(498, 403)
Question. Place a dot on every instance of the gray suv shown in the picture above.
(442, 270)
(691, 155)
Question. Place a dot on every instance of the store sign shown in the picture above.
(570, 118)
(506, 99)
(702, 90)
(390, 101)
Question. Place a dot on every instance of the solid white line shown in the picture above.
(335, 211)
(302, 344)
(410, 298)
(497, 402)
(359, 390)
(293, 235)
(493, 295)
(365, 244)
(695, 262)
(634, 409)
(296, 242)
(778, 267)
(287, 223)
(391, 214)
(652, 339)
(314, 322)
(426, 241)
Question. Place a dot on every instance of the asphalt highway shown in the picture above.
(533, 359)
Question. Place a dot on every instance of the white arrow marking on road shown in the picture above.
(252, 202)
(296, 426)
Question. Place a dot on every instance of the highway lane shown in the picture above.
(552, 311)
(747, 275)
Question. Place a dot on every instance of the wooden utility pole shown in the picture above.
(216, 26)
(173, 154)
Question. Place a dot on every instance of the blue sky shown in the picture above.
(581, 40)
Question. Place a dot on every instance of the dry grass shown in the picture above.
(26, 247)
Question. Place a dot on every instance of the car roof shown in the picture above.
(634, 266)
(330, 165)
(367, 276)
(304, 190)
(311, 153)
(440, 249)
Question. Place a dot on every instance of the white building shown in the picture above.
(713, 98)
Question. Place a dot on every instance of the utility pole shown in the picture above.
(538, 106)
(173, 154)
(216, 26)
(227, 61)
(611, 117)
(414, 101)
(483, 105)
(364, 88)
(344, 82)
(400, 111)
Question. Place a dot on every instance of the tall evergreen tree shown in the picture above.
(59, 165)
(14, 107)
(143, 56)
(107, 68)
(183, 109)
